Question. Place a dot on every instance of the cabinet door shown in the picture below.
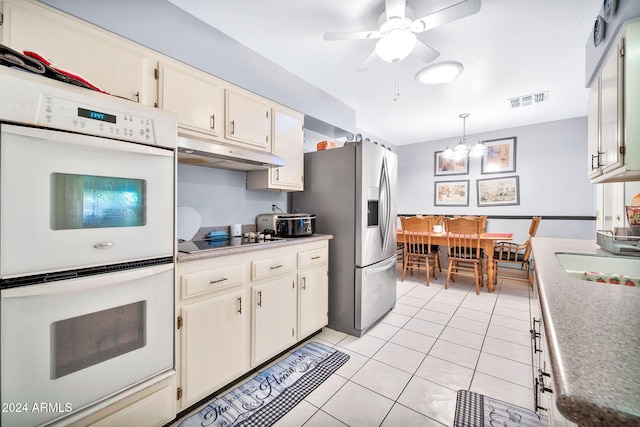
(115, 65)
(247, 119)
(313, 301)
(593, 129)
(212, 351)
(287, 143)
(274, 318)
(195, 97)
(287, 139)
(611, 111)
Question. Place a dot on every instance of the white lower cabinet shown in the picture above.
(236, 312)
(212, 344)
(544, 390)
(313, 291)
(274, 318)
(313, 303)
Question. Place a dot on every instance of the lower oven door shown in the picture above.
(72, 343)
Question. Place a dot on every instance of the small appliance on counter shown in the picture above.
(287, 225)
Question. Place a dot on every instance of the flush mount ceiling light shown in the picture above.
(440, 73)
(464, 147)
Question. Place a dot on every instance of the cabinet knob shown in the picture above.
(212, 119)
(233, 127)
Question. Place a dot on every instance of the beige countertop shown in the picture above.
(593, 334)
(231, 250)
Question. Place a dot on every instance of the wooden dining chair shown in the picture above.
(516, 253)
(418, 252)
(436, 220)
(465, 254)
(483, 217)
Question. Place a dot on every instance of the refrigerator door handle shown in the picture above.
(385, 209)
(383, 266)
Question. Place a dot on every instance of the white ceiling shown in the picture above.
(509, 49)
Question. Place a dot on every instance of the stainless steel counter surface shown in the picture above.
(593, 334)
(231, 250)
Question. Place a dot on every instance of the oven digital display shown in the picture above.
(96, 115)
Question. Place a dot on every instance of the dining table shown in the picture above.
(487, 243)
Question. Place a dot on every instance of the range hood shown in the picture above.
(216, 154)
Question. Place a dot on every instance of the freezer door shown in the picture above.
(376, 186)
(375, 292)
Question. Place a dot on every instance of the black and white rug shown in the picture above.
(478, 410)
(269, 395)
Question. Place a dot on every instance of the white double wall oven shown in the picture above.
(86, 248)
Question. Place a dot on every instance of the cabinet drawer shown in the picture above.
(312, 258)
(155, 410)
(211, 280)
(272, 267)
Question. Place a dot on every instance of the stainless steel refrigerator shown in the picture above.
(352, 190)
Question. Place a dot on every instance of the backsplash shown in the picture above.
(221, 198)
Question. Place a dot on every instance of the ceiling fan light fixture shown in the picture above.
(396, 45)
(440, 73)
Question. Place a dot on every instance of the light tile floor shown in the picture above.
(406, 370)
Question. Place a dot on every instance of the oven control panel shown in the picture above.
(73, 116)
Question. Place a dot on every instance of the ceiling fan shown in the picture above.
(397, 33)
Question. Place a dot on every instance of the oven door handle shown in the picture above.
(90, 282)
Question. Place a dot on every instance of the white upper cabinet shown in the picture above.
(197, 98)
(287, 139)
(247, 119)
(614, 113)
(108, 61)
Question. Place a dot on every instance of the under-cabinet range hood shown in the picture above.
(216, 154)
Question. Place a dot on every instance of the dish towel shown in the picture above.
(614, 279)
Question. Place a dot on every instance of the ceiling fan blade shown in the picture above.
(353, 35)
(368, 63)
(394, 8)
(459, 10)
(424, 53)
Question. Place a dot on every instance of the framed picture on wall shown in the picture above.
(452, 193)
(498, 191)
(500, 156)
(444, 166)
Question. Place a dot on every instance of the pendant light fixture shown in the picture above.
(464, 147)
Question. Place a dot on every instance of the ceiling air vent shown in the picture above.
(525, 100)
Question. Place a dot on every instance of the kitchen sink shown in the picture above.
(609, 269)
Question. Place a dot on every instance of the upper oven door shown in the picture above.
(69, 201)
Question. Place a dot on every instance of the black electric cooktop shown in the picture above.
(193, 246)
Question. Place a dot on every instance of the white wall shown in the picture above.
(551, 161)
